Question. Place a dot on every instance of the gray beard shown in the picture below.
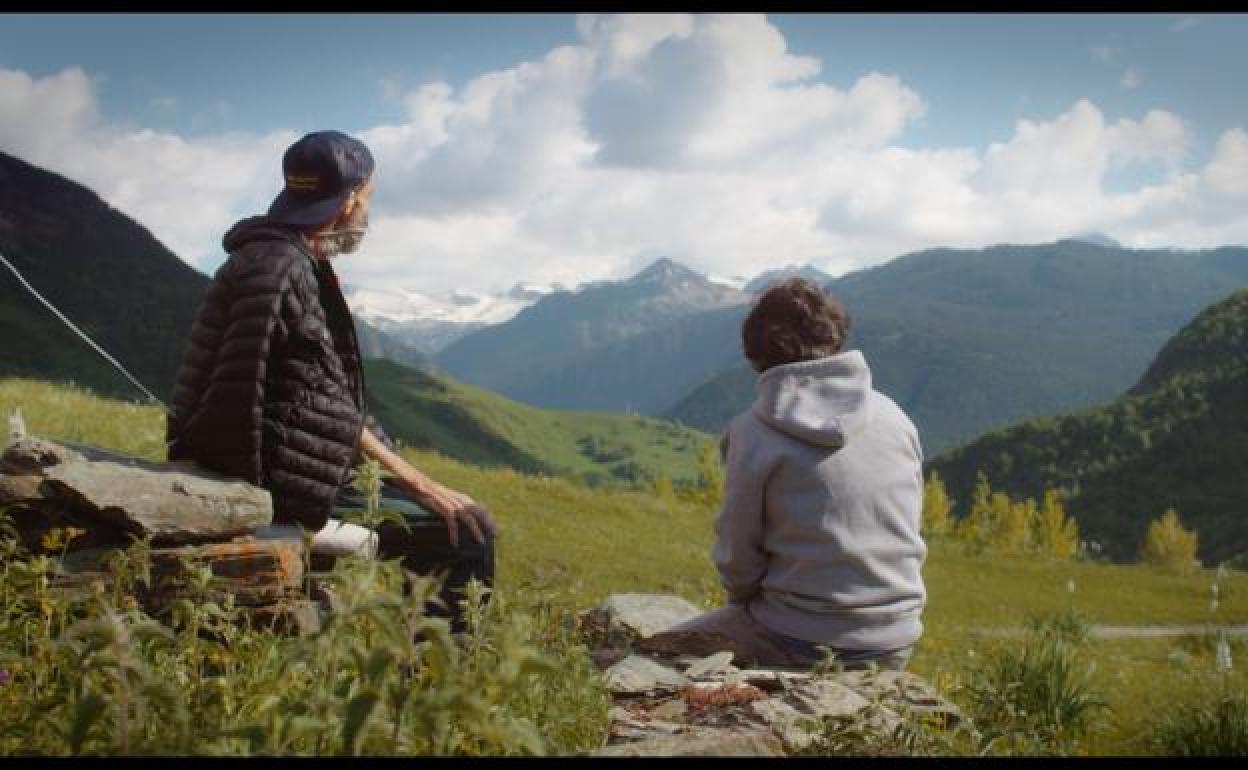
(344, 241)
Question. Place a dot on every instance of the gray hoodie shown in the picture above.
(819, 531)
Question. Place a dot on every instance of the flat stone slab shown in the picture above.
(624, 618)
(170, 503)
(636, 675)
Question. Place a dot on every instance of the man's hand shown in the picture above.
(454, 507)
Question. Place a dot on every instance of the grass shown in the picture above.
(568, 546)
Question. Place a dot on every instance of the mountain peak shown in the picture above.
(665, 269)
(1096, 239)
(768, 277)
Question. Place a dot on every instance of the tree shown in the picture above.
(1014, 523)
(936, 507)
(1168, 545)
(977, 526)
(1056, 534)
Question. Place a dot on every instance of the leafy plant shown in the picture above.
(1037, 696)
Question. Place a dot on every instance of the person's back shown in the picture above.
(817, 540)
(840, 469)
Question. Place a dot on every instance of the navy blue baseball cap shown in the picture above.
(321, 170)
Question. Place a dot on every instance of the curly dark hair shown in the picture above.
(793, 320)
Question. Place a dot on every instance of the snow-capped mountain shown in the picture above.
(429, 322)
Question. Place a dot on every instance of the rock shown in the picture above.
(31, 455)
(624, 618)
(719, 663)
(904, 692)
(825, 698)
(770, 680)
(255, 571)
(721, 710)
(169, 505)
(784, 722)
(670, 709)
(20, 489)
(636, 675)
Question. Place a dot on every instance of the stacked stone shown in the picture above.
(84, 505)
(676, 695)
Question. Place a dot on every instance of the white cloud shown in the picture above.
(1131, 78)
(699, 137)
(187, 192)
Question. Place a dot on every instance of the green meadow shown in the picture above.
(568, 545)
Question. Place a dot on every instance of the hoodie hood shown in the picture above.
(822, 402)
(259, 229)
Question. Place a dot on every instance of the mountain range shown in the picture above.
(429, 323)
(965, 340)
(576, 350)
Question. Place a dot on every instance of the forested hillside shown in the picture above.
(1178, 439)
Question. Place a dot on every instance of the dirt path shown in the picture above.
(1152, 632)
(1098, 631)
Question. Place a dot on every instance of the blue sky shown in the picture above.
(551, 147)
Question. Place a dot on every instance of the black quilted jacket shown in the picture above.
(270, 389)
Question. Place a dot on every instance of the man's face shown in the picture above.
(349, 229)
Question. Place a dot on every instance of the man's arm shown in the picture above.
(738, 552)
(454, 507)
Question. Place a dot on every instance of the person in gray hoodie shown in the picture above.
(817, 542)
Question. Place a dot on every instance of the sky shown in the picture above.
(570, 148)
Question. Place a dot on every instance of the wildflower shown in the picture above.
(1224, 656)
(1070, 586)
(5, 676)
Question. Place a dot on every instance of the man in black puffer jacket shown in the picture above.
(271, 388)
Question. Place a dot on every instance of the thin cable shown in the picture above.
(80, 333)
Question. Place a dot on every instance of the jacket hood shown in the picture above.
(822, 402)
(258, 229)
